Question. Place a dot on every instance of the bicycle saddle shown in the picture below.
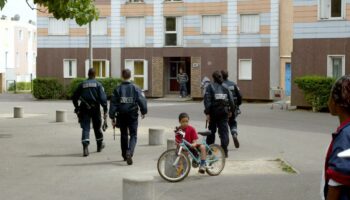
(204, 133)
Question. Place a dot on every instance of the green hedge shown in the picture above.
(316, 90)
(20, 86)
(47, 88)
(109, 85)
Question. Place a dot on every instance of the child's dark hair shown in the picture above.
(341, 92)
(183, 115)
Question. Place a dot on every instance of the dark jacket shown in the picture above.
(127, 99)
(237, 96)
(91, 94)
(217, 97)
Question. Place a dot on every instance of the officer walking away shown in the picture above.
(218, 103)
(125, 103)
(237, 98)
(182, 79)
(91, 95)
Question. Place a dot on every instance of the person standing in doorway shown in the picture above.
(126, 101)
(91, 95)
(182, 79)
(237, 97)
(218, 104)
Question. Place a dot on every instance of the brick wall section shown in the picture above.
(157, 77)
(196, 75)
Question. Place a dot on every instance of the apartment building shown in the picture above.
(321, 40)
(18, 51)
(155, 38)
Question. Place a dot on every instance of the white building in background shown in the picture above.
(18, 50)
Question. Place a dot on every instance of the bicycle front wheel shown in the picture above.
(215, 160)
(173, 167)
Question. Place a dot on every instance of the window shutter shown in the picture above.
(65, 69)
(129, 64)
(179, 31)
(107, 68)
(145, 73)
(245, 70)
(324, 9)
(250, 24)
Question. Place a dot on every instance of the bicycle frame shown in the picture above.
(184, 145)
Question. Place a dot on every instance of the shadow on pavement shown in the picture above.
(115, 163)
(56, 155)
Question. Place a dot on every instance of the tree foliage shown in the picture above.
(83, 11)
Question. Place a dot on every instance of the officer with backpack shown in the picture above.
(125, 103)
(91, 95)
(237, 96)
(219, 105)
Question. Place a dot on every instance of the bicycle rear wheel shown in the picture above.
(215, 160)
(172, 167)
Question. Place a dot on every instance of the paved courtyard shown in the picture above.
(41, 159)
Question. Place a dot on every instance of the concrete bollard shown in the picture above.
(138, 187)
(170, 144)
(18, 112)
(61, 116)
(156, 136)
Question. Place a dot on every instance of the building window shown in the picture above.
(69, 68)
(135, 32)
(58, 27)
(211, 24)
(98, 27)
(336, 66)
(250, 24)
(101, 67)
(245, 69)
(173, 31)
(139, 72)
(332, 9)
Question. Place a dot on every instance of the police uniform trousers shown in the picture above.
(128, 126)
(219, 123)
(87, 115)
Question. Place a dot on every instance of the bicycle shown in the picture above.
(174, 165)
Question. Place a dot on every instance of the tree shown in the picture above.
(83, 11)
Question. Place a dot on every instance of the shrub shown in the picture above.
(108, 84)
(47, 88)
(316, 90)
(20, 86)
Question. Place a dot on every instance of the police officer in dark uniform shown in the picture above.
(126, 100)
(91, 95)
(237, 96)
(218, 103)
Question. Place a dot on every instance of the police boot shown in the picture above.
(235, 139)
(85, 150)
(100, 146)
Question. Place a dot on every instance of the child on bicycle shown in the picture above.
(337, 170)
(191, 136)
